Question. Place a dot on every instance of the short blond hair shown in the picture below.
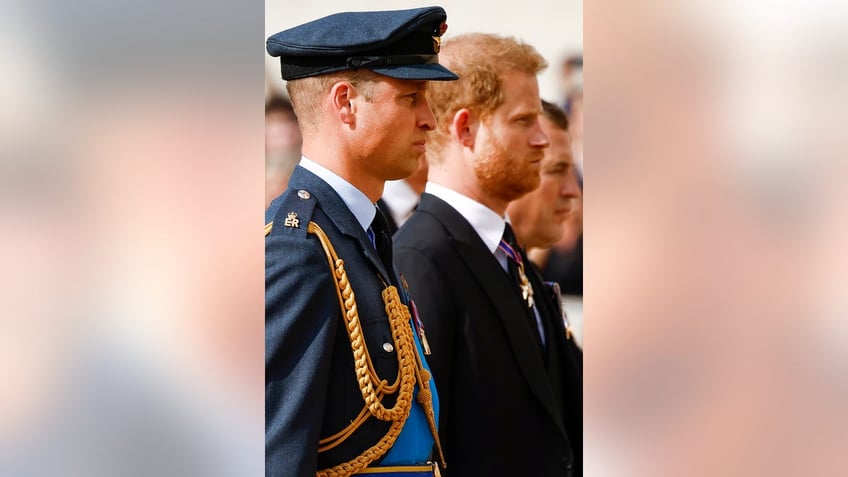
(306, 93)
(481, 61)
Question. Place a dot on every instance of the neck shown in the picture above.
(465, 182)
(418, 181)
(346, 168)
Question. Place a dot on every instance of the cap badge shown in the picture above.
(437, 37)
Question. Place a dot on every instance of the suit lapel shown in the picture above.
(492, 279)
(551, 316)
(338, 213)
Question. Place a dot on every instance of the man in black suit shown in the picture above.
(347, 388)
(510, 381)
(550, 215)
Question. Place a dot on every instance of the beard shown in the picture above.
(505, 175)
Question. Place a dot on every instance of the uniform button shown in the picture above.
(388, 347)
(303, 194)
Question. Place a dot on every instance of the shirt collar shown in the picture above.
(355, 200)
(401, 199)
(488, 224)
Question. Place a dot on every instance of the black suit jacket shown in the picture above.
(508, 407)
(311, 389)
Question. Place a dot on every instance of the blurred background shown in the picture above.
(131, 337)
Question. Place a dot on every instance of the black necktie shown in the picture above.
(382, 241)
(391, 226)
(515, 265)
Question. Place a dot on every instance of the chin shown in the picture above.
(549, 241)
(396, 173)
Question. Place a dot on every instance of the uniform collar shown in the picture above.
(355, 200)
(488, 224)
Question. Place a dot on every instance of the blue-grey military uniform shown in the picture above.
(312, 391)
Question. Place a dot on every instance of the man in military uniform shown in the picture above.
(347, 388)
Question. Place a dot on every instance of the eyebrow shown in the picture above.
(526, 113)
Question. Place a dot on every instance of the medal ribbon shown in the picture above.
(510, 252)
(526, 288)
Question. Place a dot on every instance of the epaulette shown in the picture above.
(291, 213)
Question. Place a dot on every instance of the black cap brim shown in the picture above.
(429, 72)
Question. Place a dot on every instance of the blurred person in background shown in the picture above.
(401, 197)
(575, 119)
(548, 216)
(571, 100)
(563, 263)
(510, 381)
(570, 79)
(282, 145)
(338, 327)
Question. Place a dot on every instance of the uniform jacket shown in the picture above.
(311, 390)
(508, 407)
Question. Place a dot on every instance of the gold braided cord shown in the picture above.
(268, 227)
(372, 388)
(330, 442)
(425, 398)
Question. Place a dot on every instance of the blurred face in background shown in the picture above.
(539, 218)
(282, 152)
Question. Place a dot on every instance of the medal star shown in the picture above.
(526, 288)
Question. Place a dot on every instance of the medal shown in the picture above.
(524, 283)
(419, 325)
(526, 289)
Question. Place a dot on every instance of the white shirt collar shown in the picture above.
(488, 224)
(355, 200)
(401, 199)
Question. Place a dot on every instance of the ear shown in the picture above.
(464, 127)
(342, 95)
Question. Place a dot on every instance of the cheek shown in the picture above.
(512, 139)
(549, 190)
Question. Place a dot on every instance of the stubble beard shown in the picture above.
(506, 176)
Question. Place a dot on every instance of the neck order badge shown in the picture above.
(524, 283)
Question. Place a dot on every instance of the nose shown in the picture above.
(426, 120)
(538, 137)
(569, 188)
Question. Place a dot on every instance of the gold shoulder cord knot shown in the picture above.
(372, 387)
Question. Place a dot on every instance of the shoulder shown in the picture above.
(424, 243)
(421, 229)
(289, 214)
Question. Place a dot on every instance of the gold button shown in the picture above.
(303, 194)
(388, 347)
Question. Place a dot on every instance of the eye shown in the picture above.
(560, 170)
(526, 120)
